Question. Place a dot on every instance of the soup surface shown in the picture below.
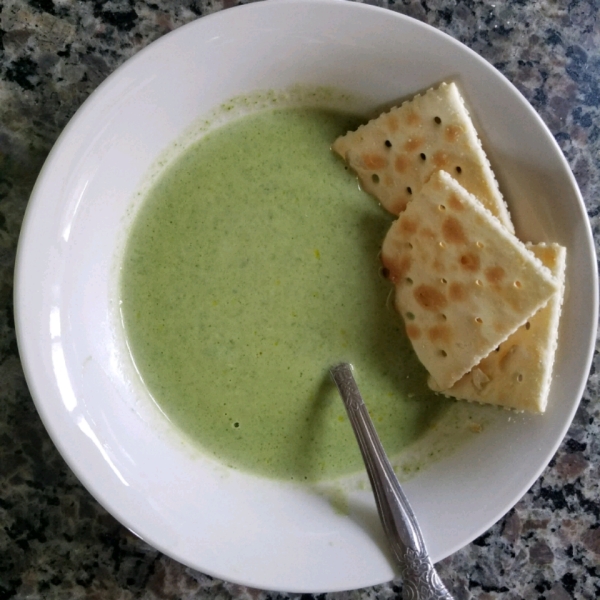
(250, 269)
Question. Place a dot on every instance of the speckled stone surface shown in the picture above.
(55, 541)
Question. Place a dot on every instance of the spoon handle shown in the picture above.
(419, 577)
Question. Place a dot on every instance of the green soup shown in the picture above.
(251, 268)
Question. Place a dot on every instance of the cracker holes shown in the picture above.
(423, 156)
(409, 246)
(479, 320)
(443, 317)
(437, 120)
(479, 244)
(388, 144)
(443, 353)
(410, 316)
(459, 170)
(408, 280)
(518, 284)
(409, 190)
(441, 207)
(528, 325)
(441, 245)
(384, 272)
(519, 377)
(375, 178)
(443, 280)
(478, 282)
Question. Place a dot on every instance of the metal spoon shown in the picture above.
(419, 577)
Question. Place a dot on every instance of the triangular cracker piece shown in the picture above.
(395, 154)
(518, 373)
(463, 282)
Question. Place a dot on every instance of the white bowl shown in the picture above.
(232, 525)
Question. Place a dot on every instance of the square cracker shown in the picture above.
(463, 282)
(395, 154)
(518, 373)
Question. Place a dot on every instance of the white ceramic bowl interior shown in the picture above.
(233, 525)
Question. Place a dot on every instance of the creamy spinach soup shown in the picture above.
(251, 268)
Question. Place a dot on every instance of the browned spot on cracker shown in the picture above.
(413, 332)
(453, 231)
(452, 133)
(429, 298)
(413, 144)
(440, 159)
(438, 266)
(401, 163)
(374, 161)
(454, 202)
(408, 226)
(412, 118)
(427, 233)
(439, 333)
(457, 292)
(470, 262)
(495, 274)
(392, 122)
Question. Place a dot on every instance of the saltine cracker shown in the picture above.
(518, 373)
(395, 154)
(463, 283)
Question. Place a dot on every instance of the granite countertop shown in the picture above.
(55, 540)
